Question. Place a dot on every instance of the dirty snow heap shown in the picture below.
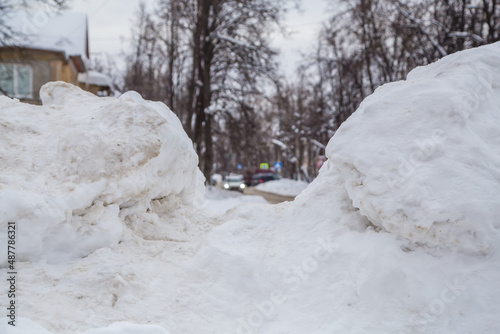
(75, 168)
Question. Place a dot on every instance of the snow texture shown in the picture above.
(219, 201)
(421, 158)
(283, 187)
(94, 78)
(75, 169)
(369, 247)
(26, 326)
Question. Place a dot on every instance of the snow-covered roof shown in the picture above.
(94, 78)
(66, 32)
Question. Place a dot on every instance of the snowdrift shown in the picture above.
(75, 169)
(421, 158)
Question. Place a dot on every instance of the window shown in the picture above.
(16, 80)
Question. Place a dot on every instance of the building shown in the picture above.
(51, 47)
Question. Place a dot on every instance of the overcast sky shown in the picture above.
(110, 22)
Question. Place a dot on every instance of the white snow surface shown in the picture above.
(219, 201)
(283, 187)
(365, 248)
(94, 78)
(432, 175)
(78, 168)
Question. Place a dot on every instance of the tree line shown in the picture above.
(211, 62)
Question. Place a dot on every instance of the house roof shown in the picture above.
(66, 31)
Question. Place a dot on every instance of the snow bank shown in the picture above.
(76, 168)
(421, 157)
(338, 259)
(283, 187)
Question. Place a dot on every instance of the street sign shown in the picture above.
(264, 165)
(278, 165)
(239, 166)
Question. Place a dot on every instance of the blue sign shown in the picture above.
(239, 166)
(278, 165)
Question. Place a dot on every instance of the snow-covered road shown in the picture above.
(271, 198)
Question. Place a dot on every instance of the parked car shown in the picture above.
(234, 182)
(263, 177)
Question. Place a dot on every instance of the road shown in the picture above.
(270, 198)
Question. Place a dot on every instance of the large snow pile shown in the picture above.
(421, 158)
(78, 167)
(283, 187)
(366, 248)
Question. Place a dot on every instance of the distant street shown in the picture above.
(269, 197)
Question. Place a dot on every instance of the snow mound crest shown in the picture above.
(76, 167)
(421, 158)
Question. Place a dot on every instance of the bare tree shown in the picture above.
(218, 50)
(373, 42)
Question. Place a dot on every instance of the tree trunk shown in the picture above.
(208, 157)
